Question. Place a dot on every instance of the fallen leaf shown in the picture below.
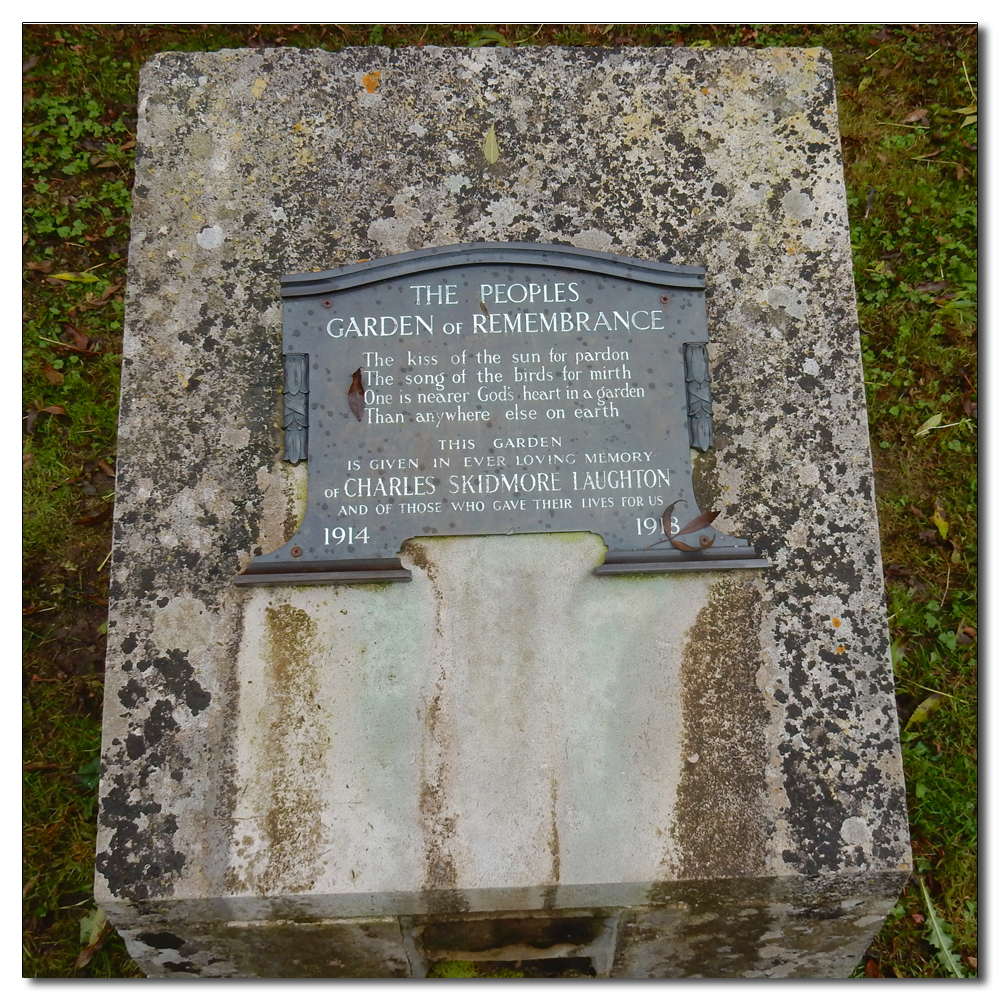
(80, 340)
(667, 516)
(98, 518)
(490, 148)
(107, 469)
(40, 265)
(52, 375)
(27, 460)
(928, 425)
(918, 918)
(105, 296)
(872, 971)
(74, 276)
(931, 286)
(939, 520)
(485, 37)
(701, 521)
(356, 395)
(708, 543)
(924, 710)
(31, 417)
(916, 115)
(108, 292)
(973, 961)
(94, 931)
(970, 405)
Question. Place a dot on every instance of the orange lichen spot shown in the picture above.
(704, 90)
(840, 649)
(836, 623)
(371, 81)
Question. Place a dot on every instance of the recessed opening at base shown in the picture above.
(508, 933)
(535, 968)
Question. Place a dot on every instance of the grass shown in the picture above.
(908, 103)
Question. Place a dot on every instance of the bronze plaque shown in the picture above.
(497, 388)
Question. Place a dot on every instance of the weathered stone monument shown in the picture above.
(496, 569)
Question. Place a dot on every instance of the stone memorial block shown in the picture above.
(422, 435)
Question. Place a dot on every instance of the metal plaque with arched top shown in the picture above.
(497, 388)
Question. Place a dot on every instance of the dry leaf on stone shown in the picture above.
(667, 516)
(706, 543)
(491, 150)
(701, 521)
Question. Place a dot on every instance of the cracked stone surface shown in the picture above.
(709, 762)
